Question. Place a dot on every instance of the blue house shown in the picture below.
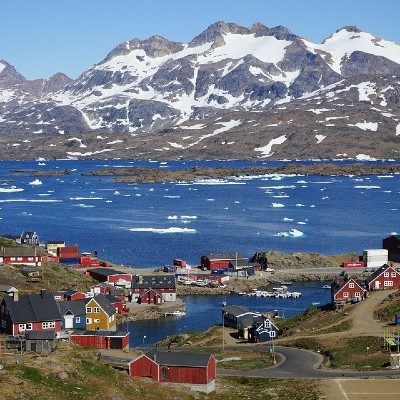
(73, 314)
(262, 330)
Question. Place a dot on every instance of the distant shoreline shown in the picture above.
(152, 175)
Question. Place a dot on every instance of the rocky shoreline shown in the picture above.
(153, 175)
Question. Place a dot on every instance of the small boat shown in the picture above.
(286, 283)
(315, 303)
(176, 313)
(326, 287)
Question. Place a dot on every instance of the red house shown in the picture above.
(20, 256)
(150, 296)
(384, 278)
(198, 371)
(110, 276)
(347, 290)
(35, 312)
(118, 304)
(101, 339)
(221, 261)
(154, 286)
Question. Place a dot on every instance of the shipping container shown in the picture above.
(353, 264)
(179, 263)
(70, 261)
(375, 252)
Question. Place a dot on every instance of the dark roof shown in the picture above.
(40, 335)
(8, 289)
(154, 282)
(377, 272)
(177, 358)
(236, 311)
(106, 271)
(225, 256)
(247, 320)
(112, 299)
(27, 234)
(393, 236)
(19, 252)
(72, 307)
(104, 303)
(33, 308)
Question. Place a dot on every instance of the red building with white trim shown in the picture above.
(384, 278)
(195, 370)
(347, 290)
(20, 256)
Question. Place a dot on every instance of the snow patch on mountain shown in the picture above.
(266, 150)
(366, 126)
(320, 138)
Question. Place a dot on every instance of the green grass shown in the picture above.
(353, 354)
(341, 327)
(386, 313)
(98, 369)
(307, 343)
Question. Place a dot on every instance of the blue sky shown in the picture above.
(45, 36)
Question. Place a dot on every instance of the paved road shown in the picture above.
(303, 364)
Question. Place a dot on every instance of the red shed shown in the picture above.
(150, 296)
(347, 290)
(196, 370)
(109, 275)
(384, 278)
(68, 252)
(101, 339)
(214, 261)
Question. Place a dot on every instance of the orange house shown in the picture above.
(100, 314)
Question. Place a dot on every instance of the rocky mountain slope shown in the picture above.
(230, 92)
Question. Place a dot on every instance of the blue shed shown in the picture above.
(397, 318)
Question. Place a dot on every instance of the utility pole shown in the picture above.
(223, 325)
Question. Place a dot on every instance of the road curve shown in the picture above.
(300, 363)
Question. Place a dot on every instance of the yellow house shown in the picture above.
(100, 314)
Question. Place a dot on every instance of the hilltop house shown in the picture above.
(344, 290)
(53, 246)
(20, 256)
(100, 314)
(236, 316)
(35, 312)
(384, 278)
(263, 329)
(197, 371)
(30, 238)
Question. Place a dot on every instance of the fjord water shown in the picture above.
(149, 224)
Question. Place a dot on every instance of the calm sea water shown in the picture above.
(147, 225)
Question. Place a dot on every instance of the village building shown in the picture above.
(32, 274)
(101, 339)
(197, 371)
(392, 245)
(118, 304)
(11, 291)
(111, 276)
(100, 314)
(234, 316)
(384, 278)
(221, 261)
(262, 330)
(154, 289)
(397, 318)
(73, 314)
(53, 246)
(30, 238)
(35, 312)
(74, 295)
(20, 256)
(346, 290)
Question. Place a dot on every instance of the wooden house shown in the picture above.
(20, 256)
(198, 371)
(37, 312)
(111, 276)
(118, 304)
(150, 288)
(235, 315)
(347, 290)
(101, 339)
(40, 341)
(263, 329)
(221, 261)
(73, 314)
(100, 314)
(384, 278)
(30, 238)
(53, 246)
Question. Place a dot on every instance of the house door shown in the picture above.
(115, 343)
(377, 284)
(68, 321)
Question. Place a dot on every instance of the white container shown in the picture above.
(375, 264)
(375, 252)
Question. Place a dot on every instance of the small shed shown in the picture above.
(40, 341)
(195, 370)
(101, 339)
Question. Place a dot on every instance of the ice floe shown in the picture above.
(277, 205)
(36, 182)
(12, 189)
(172, 229)
(291, 233)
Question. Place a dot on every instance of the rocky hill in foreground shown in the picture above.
(231, 92)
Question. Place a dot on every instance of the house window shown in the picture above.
(96, 310)
(19, 258)
(351, 285)
(388, 283)
(88, 309)
(357, 294)
(386, 274)
(78, 320)
(48, 325)
(345, 294)
(96, 320)
(21, 327)
(30, 258)
(88, 320)
(272, 334)
(394, 274)
(12, 258)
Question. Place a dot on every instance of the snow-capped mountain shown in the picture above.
(227, 73)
